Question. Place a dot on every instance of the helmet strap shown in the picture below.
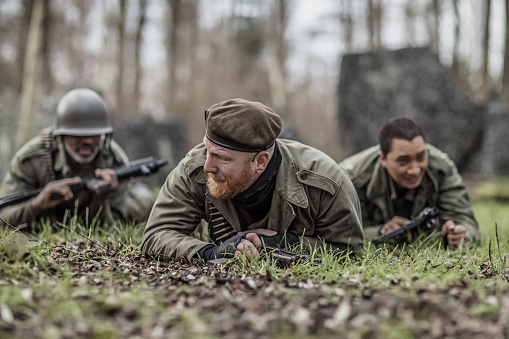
(106, 141)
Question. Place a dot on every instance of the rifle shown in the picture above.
(424, 219)
(220, 230)
(141, 167)
(286, 258)
(282, 257)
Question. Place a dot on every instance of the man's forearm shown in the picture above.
(18, 214)
(170, 243)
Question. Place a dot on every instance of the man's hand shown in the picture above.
(99, 198)
(273, 239)
(109, 175)
(250, 246)
(53, 194)
(395, 223)
(456, 234)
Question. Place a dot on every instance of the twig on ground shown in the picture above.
(84, 236)
(16, 229)
(489, 253)
(498, 242)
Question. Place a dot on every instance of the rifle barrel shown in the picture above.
(19, 198)
(424, 217)
(145, 166)
(395, 233)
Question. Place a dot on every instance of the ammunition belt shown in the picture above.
(219, 228)
(47, 158)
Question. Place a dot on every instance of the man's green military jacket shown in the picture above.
(441, 187)
(27, 172)
(313, 199)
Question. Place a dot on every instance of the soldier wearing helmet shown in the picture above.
(80, 145)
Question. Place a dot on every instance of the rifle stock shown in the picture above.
(141, 167)
(423, 219)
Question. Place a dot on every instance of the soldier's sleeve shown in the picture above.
(17, 215)
(178, 210)
(19, 178)
(338, 221)
(370, 226)
(454, 203)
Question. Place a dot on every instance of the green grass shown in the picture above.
(91, 282)
(492, 216)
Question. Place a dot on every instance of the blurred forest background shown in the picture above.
(172, 59)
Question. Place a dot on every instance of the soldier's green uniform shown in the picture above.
(441, 187)
(80, 112)
(27, 172)
(313, 198)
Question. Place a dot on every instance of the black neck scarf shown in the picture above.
(257, 198)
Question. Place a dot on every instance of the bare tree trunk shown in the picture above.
(277, 69)
(193, 44)
(76, 45)
(486, 81)
(410, 16)
(504, 96)
(31, 72)
(347, 24)
(434, 25)
(137, 54)
(172, 54)
(101, 74)
(46, 79)
(371, 24)
(378, 24)
(194, 133)
(375, 23)
(22, 42)
(455, 53)
(120, 56)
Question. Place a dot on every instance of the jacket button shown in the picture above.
(303, 176)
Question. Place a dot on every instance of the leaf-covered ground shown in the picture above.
(68, 286)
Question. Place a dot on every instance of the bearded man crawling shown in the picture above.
(251, 188)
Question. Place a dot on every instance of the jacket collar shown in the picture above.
(287, 182)
(288, 191)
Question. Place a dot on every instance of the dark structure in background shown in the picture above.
(145, 137)
(377, 86)
(492, 156)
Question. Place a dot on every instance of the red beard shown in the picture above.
(220, 187)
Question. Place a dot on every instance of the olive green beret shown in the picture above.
(242, 125)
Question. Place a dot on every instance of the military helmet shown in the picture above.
(82, 112)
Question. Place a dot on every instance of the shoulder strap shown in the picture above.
(47, 158)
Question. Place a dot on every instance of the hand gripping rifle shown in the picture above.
(221, 230)
(424, 220)
(141, 167)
